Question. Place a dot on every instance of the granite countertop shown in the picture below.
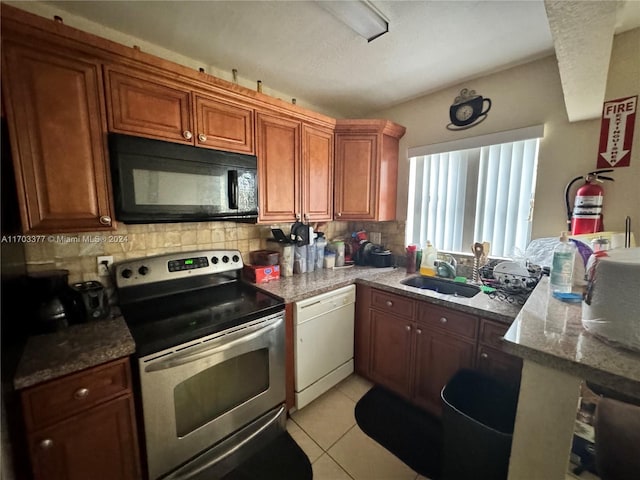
(299, 287)
(550, 332)
(54, 355)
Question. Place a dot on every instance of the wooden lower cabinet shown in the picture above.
(438, 357)
(392, 340)
(83, 426)
(491, 359)
(98, 444)
(414, 348)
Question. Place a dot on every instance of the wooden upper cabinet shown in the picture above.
(152, 106)
(223, 126)
(317, 174)
(366, 164)
(54, 104)
(278, 152)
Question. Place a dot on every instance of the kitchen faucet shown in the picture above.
(446, 267)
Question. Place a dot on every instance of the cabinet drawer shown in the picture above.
(395, 304)
(449, 320)
(491, 333)
(58, 399)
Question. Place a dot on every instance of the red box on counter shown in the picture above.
(261, 273)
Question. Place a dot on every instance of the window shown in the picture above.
(481, 191)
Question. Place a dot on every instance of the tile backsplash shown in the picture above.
(78, 252)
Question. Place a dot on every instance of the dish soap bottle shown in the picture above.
(428, 262)
(562, 265)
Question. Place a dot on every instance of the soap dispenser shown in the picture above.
(428, 262)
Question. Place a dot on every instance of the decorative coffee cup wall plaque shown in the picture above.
(468, 110)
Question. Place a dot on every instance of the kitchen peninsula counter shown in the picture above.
(53, 355)
(298, 287)
(558, 355)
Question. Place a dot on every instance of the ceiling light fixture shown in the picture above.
(360, 15)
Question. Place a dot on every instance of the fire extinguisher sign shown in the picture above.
(616, 132)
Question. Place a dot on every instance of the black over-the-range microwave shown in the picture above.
(156, 181)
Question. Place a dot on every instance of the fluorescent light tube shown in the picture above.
(360, 15)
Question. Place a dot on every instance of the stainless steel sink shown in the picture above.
(441, 285)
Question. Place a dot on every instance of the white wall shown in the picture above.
(531, 94)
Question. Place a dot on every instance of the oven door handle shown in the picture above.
(204, 350)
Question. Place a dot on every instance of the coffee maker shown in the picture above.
(54, 307)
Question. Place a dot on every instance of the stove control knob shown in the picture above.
(225, 259)
(143, 270)
(236, 258)
(126, 273)
(214, 260)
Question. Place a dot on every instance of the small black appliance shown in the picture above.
(92, 301)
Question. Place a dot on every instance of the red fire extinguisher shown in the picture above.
(586, 216)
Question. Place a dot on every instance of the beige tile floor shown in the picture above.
(327, 431)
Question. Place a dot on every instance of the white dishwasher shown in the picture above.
(323, 342)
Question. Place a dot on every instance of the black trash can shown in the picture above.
(477, 424)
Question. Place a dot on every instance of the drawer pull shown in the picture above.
(443, 320)
(46, 444)
(484, 355)
(81, 393)
(389, 303)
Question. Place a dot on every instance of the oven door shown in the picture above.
(198, 393)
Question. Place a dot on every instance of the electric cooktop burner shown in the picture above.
(168, 300)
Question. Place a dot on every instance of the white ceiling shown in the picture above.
(299, 48)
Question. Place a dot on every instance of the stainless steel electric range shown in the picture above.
(211, 360)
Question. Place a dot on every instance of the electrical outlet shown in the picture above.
(103, 265)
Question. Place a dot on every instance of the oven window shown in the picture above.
(218, 389)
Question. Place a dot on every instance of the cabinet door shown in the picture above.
(317, 174)
(391, 352)
(356, 177)
(438, 357)
(223, 126)
(57, 129)
(278, 151)
(499, 364)
(149, 106)
(100, 444)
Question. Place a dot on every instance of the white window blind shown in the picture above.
(474, 195)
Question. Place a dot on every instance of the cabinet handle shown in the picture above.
(187, 135)
(46, 444)
(419, 331)
(339, 214)
(81, 393)
(389, 303)
(443, 319)
(202, 137)
(105, 220)
(408, 328)
(484, 355)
